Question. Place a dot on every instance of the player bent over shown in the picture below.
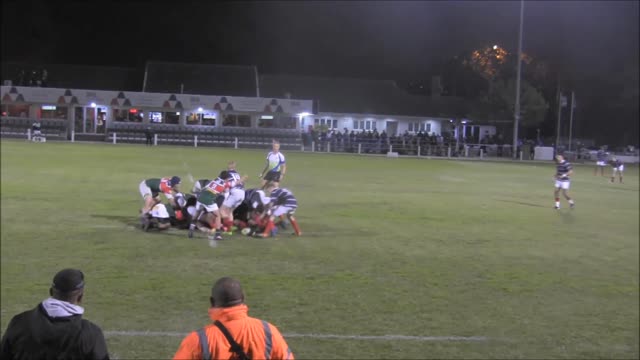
(150, 190)
(164, 216)
(563, 181)
(206, 204)
(251, 213)
(235, 197)
(618, 168)
(283, 206)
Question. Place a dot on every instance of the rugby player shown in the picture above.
(150, 190)
(618, 167)
(276, 166)
(235, 196)
(251, 213)
(601, 162)
(206, 203)
(563, 181)
(283, 206)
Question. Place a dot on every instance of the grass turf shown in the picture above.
(391, 246)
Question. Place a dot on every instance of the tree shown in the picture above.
(532, 104)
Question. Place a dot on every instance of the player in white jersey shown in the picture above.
(235, 197)
(276, 166)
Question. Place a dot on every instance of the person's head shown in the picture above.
(270, 186)
(224, 175)
(174, 182)
(231, 165)
(560, 158)
(68, 285)
(226, 292)
(276, 145)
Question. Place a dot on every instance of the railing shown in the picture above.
(412, 147)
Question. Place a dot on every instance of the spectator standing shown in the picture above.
(55, 329)
(233, 334)
(149, 134)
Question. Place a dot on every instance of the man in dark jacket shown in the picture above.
(55, 328)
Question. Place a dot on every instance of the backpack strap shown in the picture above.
(235, 347)
(204, 344)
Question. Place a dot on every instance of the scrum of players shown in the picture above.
(218, 207)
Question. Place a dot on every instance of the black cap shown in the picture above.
(175, 181)
(68, 280)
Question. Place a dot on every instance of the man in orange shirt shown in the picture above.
(234, 334)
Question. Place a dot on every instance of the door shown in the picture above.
(89, 120)
(392, 128)
(78, 119)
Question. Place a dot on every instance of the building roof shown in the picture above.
(78, 76)
(344, 95)
(204, 79)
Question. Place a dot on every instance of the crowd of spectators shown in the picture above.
(421, 143)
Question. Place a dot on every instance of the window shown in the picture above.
(267, 122)
(237, 120)
(287, 122)
(316, 122)
(127, 115)
(53, 112)
(194, 119)
(155, 117)
(171, 117)
(15, 110)
(209, 119)
(425, 127)
(335, 124)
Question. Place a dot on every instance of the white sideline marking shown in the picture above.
(313, 336)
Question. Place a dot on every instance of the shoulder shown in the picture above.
(91, 328)
(20, 318)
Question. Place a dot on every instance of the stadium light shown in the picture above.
(93, 105)
(303, 114)
(200, 109)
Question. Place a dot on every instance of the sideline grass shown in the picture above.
(391, 246)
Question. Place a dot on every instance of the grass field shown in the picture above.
(414, 247)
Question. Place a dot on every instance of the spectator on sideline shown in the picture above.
(234, 334)
(149, 134)
(276, 166)
(55, 329)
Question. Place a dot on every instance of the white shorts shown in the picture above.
(144, 189)
(234, 199)
(619, 168)
(282, 210)
(208, 208)
(601, 163)
(562, 184)
(160, 211)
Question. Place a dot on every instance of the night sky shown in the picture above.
(396, 40)
(386, 40)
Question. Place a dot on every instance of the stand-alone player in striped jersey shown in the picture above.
(563, 181)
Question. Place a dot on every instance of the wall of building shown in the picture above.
(76, 105)
(369, 122)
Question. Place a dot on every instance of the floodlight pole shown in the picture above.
(517, 106)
